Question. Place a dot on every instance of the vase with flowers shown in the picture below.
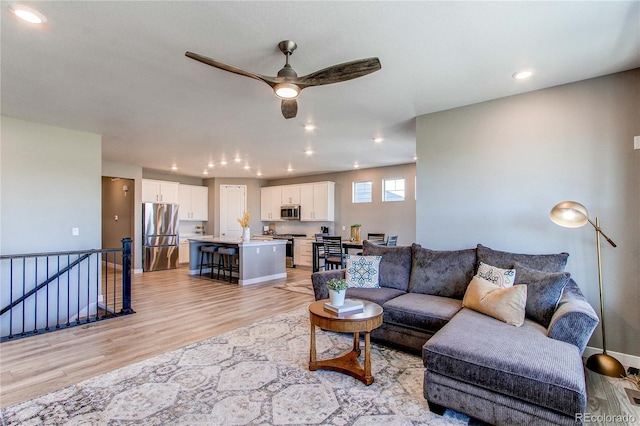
(244, 222)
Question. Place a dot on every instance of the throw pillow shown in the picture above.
(441, 273)
(540, 262)
(395, 266)
(502, 277)
(363, 271)
(505, 304)
(544, 290)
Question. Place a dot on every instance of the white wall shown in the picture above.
(50, 183)
(489, 173)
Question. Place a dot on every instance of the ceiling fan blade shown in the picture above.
(289, 108)
(212, 62)
(340, 72)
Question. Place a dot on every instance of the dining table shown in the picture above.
(346, 246)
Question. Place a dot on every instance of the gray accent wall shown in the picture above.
(50, 182)
(490, 173)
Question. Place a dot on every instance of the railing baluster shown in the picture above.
(68, 292)
(24, 278)
(11, 298)
(58, 298)
(35, 299)
(47, 298)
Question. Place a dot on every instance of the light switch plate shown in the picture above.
(636, 142)
(75, 232)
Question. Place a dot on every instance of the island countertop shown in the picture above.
(237, 241)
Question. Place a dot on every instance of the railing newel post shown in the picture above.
(126, 277)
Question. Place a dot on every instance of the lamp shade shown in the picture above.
(569, 214)
(286, 90)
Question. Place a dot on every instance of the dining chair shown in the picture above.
(320, 250)
(392, 240)
(333, 254)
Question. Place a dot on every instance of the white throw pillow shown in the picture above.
(498, 276)
(363, 271)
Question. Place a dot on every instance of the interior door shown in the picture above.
(233, 204)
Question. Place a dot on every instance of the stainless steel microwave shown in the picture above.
(290, 212)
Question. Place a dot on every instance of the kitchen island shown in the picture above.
(259, 260)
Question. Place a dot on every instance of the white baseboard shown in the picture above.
(263, 279)
(625, 359)
(138, 271)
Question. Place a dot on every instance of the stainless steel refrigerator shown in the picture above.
(159, 236)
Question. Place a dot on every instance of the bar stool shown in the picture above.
(209, 251)
(227, 255)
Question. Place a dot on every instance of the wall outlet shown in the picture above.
(344, 228)
(257, 250)
(274, 249)
(75, 231)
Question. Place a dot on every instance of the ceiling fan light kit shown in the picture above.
(287, 85)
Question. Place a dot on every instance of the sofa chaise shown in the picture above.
(476, 364)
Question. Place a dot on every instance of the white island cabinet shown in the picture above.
(317, 202)
(194, 202)
(159, 191)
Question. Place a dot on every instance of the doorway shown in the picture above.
(233, 204)
(118, 202)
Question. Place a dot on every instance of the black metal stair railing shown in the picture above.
(42, 292)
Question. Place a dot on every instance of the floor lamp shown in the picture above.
(571, 214)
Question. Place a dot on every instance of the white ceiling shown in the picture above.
(118, 69)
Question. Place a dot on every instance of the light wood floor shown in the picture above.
(172, 308)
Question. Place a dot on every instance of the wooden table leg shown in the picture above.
(368, 378)
(312, 349)
(356, 342)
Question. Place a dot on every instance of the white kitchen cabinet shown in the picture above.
(159, 191)
(194, 202)
(303, 252)
(317, 202)
(270, 203)
(291, 194)
(183, 252)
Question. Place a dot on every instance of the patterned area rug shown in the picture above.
(255, 375)
(303, 286)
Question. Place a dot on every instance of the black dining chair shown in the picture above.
(392, 241)
(333, 255)
(320, 250)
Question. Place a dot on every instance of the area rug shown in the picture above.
(303, 286)
(255, 375)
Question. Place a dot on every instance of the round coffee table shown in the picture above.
(364, 322)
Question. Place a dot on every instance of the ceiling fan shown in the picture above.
(287, 85)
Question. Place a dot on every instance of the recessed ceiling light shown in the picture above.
(174, 167)
(246, 167)
(237, 159)
(378, 139)
(309, 126)
(211, 165)
(259, 174)
(356, 165)
(521, 75)
(28, 14)
(223, 162)
(205, 172)
(309, 151)
(415, 158)
(289, 169)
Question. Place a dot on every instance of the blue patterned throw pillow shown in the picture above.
(363, 271)
(501, 277)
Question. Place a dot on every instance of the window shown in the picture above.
(361, 192)
(393, 189)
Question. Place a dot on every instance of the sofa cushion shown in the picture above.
(376, 295)
(506, 304)
(420, 311)
(519, 362)
(441, 273)
(362, 271)
(499, 276)
(543, 291)
(541, 262)
(395, 266)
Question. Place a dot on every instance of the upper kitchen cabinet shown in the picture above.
(194, 202)
(317, 202)
(270, 203)
(291, 194)
(159, 191)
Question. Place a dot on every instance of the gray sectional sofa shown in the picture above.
(476, 364)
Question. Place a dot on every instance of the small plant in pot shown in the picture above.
(337, 290)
